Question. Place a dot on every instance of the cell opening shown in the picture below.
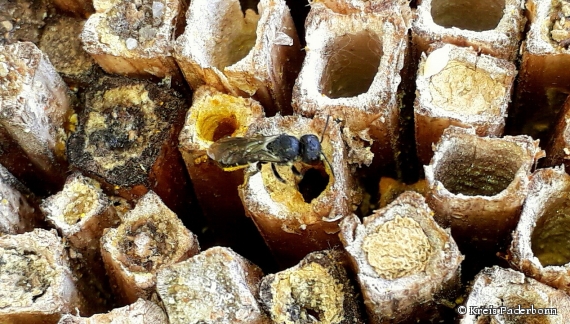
(226, 127)
(472, 169)
(352, 66)
(82, 203)
(549, 240)
(313, 183)
(475, 15)
(217, 126)
(237, 29)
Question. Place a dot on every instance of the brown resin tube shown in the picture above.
(477, 185)
(127, 139)
(317, 290)
(62, 44)
(19, 211)
(37, 283)
(80, 213)
(405, 263)
(215, 286)
(215, 115)
(133, 38)
(491, 27)
(141, 312)
(544, 81)
(300, 214)
(352, 72)
(558, 149)
(540, 242)
(457, 86)
(150, 238)
(515, 299)
(252, 52)
(34, 110)
(22, 20)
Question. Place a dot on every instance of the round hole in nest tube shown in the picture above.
(473, 169)
(314, 182)
(226, 127)
(352, 66)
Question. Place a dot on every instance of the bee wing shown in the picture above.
(234, 151)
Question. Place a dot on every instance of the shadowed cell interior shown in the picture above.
(474, 15)
(226, 127)
(352, 65)
(472, 169)
(315, 181)
(249, 4)
(549, 240)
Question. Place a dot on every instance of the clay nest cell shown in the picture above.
(122, 129)
(146, 245)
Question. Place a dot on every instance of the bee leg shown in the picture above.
(276, 173)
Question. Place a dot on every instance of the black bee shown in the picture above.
(282, 149)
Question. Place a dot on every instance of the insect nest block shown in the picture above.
(352, 72)
(62, 44)
(316, 289)
(34, 108)
(404, 261)
(544, 83)
(212, 116)
(300, 214)
(492, 27)
(81, 212)
(149, 238)
(457, 86)
(477, 185)
(217, 286)
(38, 286)
(540, 242)
(133, 39)
(127, 139)
(245, 52)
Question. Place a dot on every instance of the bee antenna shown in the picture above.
(330, 165)
(325, 129)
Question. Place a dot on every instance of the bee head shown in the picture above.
(310, 148)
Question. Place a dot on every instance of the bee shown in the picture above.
(230, 152)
